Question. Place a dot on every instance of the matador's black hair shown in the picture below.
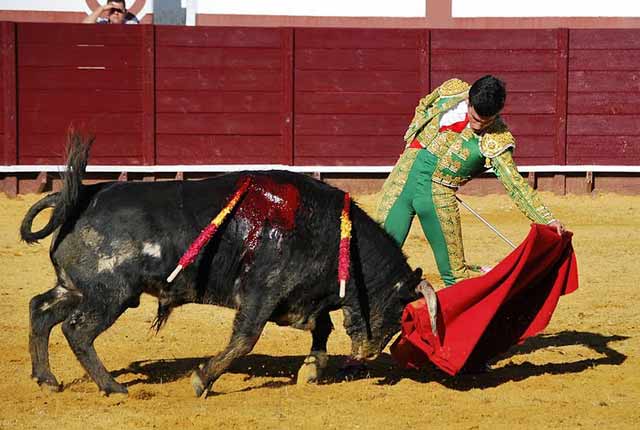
(487, 95)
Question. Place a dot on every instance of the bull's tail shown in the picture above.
(66, 201)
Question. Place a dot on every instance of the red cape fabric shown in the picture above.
(482, 317)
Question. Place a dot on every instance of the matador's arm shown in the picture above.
(525, 197)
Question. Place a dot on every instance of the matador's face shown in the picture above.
(477, 122)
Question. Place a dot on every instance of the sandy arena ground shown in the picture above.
(583, 371)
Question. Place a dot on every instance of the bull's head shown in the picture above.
(385, 316)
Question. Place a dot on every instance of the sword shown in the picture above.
(487, 223)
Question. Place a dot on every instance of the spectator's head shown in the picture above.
(486, 100)
(118, 12)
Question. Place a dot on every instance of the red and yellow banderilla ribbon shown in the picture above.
(208, 232)
(344, 258)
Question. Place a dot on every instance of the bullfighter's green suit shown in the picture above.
(432, 167)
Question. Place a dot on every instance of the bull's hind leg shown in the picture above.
(45, 311)
(315, 363)
(100, 308)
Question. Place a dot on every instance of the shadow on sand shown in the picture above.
(384, 368)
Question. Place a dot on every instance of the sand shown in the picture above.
(583, 371)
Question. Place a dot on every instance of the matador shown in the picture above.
(456, 134)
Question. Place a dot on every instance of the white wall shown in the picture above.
(65, 6)
(347, 8)
(373, 8)
(545, 8)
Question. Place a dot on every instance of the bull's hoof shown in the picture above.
(199, 386)
(352, 372)
(312, 368)
(114, 389)
(48, 383)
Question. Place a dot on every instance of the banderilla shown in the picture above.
(487, 223)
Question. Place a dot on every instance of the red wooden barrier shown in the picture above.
(309, 96)
(97, 78)
(355, 91)
(223, 95)
(8, 144)
(604, 88)
(527, 60)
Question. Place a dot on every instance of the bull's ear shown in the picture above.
(407, 287)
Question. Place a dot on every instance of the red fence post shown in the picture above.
(148, 96)
(287, 94)
(562, 94)
(8, 134)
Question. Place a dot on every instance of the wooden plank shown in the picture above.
(598, 59)
(147, 54)
(350, 125)
(531, 146)
(505, 60)
(350, 102)
(106, 144)
(55, 34)
(213, 101)
(49, 148)
(604, 103)
(357, 59)
(345, 161)
(8, 138)
(103, 161)
(620, 38)
(58, 122)
(359, 38)
(73, 78)
(603, 125)
(516, 81)
(238, 58)
(349, 146)
(604, 81)
(529, 102)
(86, 100)
(493, 39)
(364, 81)
(71, 56)
(216, 149)
(561, 96)
(218, 80)
(614, 150)
(241, 37)
(286, 105)
(538, 125)
(224, 123)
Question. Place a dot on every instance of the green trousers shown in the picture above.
(439, 216)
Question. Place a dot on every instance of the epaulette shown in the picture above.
(496, 140)
(453, 87)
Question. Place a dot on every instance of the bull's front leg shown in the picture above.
(315, 363)
(247, 327)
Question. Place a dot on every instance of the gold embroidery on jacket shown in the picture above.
(452, 87)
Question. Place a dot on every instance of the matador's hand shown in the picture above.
(558, 226)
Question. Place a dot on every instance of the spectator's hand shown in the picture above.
(107, 7)
(558, 226)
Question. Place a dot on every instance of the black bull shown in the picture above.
(274, 259)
